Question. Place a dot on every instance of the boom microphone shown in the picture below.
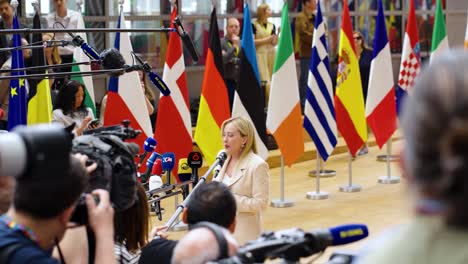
(185, 38)
(293, 244)
(148, 146)
(78, 41)
(154, 78)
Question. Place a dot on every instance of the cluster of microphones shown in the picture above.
(159, 164)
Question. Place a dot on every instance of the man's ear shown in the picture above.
(65, 216)
(184, 215)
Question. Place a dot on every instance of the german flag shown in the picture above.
(39, 102)
(214, 100)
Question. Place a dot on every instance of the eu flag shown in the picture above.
(17, 97)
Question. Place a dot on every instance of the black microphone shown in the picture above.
(185, 38)
(194, 161)
(154, 78)
(223, 156)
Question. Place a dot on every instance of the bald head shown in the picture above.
(199, 246)
(233, 27)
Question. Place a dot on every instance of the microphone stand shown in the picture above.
(62, 74)
(63, 65)
(83, 30)
(171, 222)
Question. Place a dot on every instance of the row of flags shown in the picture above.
(325, 112)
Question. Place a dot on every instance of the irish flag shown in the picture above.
(284, 110)
(349, 100)
(79, 56)
(439, 34)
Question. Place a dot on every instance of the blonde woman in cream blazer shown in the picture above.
(247, 176)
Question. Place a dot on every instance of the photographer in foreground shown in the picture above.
(40, 214)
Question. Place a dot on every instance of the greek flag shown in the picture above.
(319, 113)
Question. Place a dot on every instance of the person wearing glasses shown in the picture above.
(364, 54)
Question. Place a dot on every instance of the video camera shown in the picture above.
(43, 152)
(116, 171)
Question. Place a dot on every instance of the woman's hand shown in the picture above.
(84, 125)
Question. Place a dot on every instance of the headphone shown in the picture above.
(219, 235)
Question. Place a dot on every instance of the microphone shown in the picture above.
(155, 180)
(154, 78)
(149, 166)
(185, 38)
(222, 155)
(78, 41)
(168, 159)
(339, 235)
(292, 244)
(194, 161)
(148, 146)
(185, 174)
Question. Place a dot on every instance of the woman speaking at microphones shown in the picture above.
(247, 176)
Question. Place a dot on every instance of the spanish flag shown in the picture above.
(214, 100)
(349, 100)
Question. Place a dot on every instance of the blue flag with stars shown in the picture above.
(17, 114)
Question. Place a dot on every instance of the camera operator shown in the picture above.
(40, 214)
(210, 202)
(7, 186)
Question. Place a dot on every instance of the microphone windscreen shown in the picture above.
(112, 59)
(345, 234)
(157, 168)
(168, 160)
(184, 171)
(155, 182)
(195, 160)
(159, 83)
(151, 160)
(150, 144)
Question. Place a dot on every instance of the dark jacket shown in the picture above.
(230, 60)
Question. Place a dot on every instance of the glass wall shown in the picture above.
(195, 14)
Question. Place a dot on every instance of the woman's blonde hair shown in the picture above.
(246, 129)
(261, 12)
(363, 41)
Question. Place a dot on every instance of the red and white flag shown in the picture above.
(173, 127)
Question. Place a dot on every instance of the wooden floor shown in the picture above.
(379, 206)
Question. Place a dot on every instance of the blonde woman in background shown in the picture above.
(265, 42)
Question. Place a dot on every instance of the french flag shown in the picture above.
(410, 65)
(381, 105)
(125, 98)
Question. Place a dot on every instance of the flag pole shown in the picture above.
(320, 171)
(318, 195)
(281, 202)
(389, 179)
(388, 157)
(350, 187)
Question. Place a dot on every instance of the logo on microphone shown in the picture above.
(167, 159)
(351, 233)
